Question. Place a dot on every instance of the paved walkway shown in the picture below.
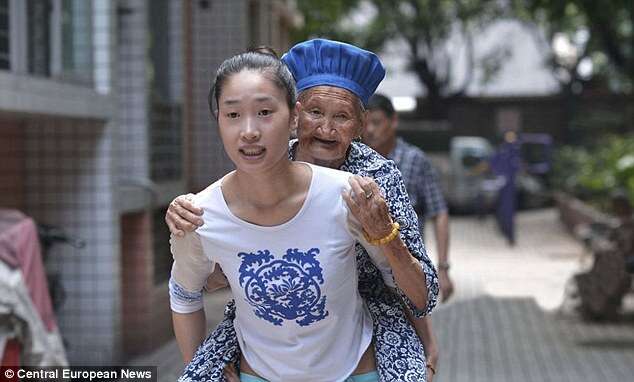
(503, 323)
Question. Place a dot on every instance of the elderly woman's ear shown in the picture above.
(363, 120)
(295, 117)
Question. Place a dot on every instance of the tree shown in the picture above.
(425, 26)
(590, 43)
(323, 18)
(611, 22)
(600, 32)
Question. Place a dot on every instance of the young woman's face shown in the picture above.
(254, 121)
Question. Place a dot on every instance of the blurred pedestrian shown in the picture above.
(505, 163)
(420, 177)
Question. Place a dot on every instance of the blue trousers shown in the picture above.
(372, 376)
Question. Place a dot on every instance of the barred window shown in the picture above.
(77, 36)
(39, 36)
(5, 62)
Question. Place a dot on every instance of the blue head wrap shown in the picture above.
(332, 63)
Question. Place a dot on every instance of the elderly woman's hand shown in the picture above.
(183, 216)
(367, 205)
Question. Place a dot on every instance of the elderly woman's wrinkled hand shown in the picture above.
(183, 216)
(368, 206)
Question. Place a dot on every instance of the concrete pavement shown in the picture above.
(504, 323)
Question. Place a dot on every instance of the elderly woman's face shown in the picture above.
(329, 119)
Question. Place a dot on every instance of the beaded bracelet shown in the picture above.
(391, 236)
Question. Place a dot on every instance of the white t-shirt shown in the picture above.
(298, 310)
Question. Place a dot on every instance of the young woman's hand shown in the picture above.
(183, 216)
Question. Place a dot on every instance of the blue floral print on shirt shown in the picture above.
(285, 289)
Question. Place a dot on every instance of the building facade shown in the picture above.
(103, 120)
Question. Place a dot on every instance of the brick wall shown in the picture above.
(11, 164)
(136, 278)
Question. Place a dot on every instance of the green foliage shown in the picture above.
(607, 30)
(588, 123)
(424, 26)
(323, 19)
(594, 173)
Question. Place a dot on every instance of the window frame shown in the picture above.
(19, 39)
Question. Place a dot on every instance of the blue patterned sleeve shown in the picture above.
(182, 300)
(402, 211)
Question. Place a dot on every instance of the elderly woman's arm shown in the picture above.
(183, 215)
(414, 274)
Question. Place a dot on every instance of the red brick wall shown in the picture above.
(146, 314)
(137, 289)
(12, 165)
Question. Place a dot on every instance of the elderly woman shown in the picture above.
(335, 81)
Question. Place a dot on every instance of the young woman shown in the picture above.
(284, 238)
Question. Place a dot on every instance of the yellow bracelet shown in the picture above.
(391, 236)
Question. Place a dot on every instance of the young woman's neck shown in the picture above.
(268, 188)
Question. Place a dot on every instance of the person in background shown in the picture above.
(420, 177)
(506, 163)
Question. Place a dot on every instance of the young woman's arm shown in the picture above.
(189, 275)
(189, 329)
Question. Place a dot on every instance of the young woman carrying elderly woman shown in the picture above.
(335, 100)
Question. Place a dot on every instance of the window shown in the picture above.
(165, 109)
(48, 38)
(76, 40)
(4, 35)
(160, 50)
(165, 135)
(39, 36)
(255, 38)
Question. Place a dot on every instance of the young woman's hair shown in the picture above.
(264, 49)
(264, 62)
